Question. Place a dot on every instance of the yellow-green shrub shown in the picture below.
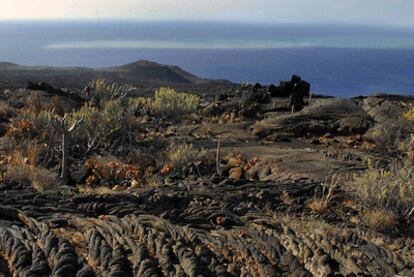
(385, 188)
(106, 88)
(181, 155)
(168, 102)
(409, 115)
(99, 124)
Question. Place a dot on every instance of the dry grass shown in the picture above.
(39, 178)
(320, 203)
(307, 225)
(388, 135)
(33, 152)
(154, 181)
(286, 199)
(33, 103)
(182, 155)
(380, 219)
(391, 189)
(96, 190)
(28, 153)
(55, 106)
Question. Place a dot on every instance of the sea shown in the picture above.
(339, 60)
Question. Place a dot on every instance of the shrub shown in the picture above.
(380, 219)
(89, 127)
(181, 155)
(388, 135)
(391, 189)
(114, 116)
(409, 115)
(168, 102)
(33, 103)
(108, 89)
(98, 125)
(39, 178)
(30, 125)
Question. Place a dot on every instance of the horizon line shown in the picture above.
(217, 21)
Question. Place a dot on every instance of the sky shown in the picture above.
(370, 12)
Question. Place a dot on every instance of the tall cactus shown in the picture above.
(61, 126)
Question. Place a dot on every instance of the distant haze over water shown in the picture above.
(337, 60)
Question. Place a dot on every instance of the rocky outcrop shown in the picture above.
(42, 86)
(336, 116)
(296, 86)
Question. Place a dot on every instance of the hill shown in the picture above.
(141, 73)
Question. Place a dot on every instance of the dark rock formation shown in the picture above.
(295, 86)
(217, 228)
(42, 86)
(336, 116)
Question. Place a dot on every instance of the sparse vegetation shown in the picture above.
(94, 190)
(320, 202)
(181, 156)
(409, 115)
(38, 177)
(110, 89)
(28, 125)
(380, 219)
(111, 172)
(389, 135)
(33, 103)
(55, 106)
(5, 110)
(391, 189)
(99, 127)
(24, 167)
(136, 167)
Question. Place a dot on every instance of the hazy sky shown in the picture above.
(384, 12)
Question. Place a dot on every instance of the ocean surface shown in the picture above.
(336, 59)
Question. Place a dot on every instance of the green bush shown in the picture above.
(168, 102)
(114, 115)
(98, 124)
(89, 127)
